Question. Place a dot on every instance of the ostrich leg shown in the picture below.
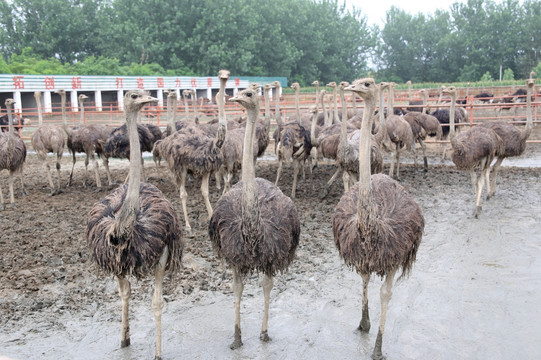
(184, 197)
(96, 171)
(106, 165)
(397, 162)
(157, 301)
(20, 173)
(71, 172)
(296, 165)
(49, 177)
(423, 149)
(346, 180)
(205, 192)
(495, 168)
(364, 326)
(238, 287)
(11, 195)
(124, 291)
(267, 285)
(59, 187)
(278, 172)
(385, 295)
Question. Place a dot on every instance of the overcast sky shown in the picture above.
(375, 10)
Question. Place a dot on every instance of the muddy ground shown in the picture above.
(474, 291)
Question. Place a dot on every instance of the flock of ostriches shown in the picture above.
(377, 226)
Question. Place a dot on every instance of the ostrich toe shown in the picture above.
(125, 343)
(477, 211)
(264, 336)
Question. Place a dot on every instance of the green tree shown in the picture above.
(508, 74)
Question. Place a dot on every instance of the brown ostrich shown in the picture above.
(189, 151)
(423, 125)
(88, 139)
(12, 156)
(46, 139)
(255, 226)
(474, 150)
(399, 132)
(513, 138)
(134, 231)
(377, 225)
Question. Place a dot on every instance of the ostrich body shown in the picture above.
(513, 138)
(48, 139)
(12, 156)
(134, 231)
(191, 151)
(255, 226)
(377, 226)
(474, 150)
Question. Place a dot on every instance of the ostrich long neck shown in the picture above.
(67, 129)
(250, 205)
(380, 136)
(317, 94)
(128, 211)
(186, 107)
(343, 125)
(194, 99)
(267, 111)
(11, 131)
(37, 96)
(222, 121)
(297, 106)
(326, 120)
(173, 112)
(452, 134)
(335, 97)
(425, 101)
(82, 106)
(278, 115)
(529, 118)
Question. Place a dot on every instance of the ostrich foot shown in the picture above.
(55, 192)
(477, 211)
(314, 166)
(125, 343)
(264, 336)
(24, 192)
(188, 229)
(238, 342)
(364, 326)
(376, 354)
(490, 194)
(158, 358)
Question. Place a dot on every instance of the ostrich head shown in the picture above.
(248, 98)
(315, 83)
(332, 84)
(276, 84)
(365, 88)
(267, 87)
(343, 85)
(9, 103)
(450, 90)
(313, 109)
(530, 82)
(82, 97)
(61, 92)
(186, 93)
(224, 74)
(134, 100)
(295, 86)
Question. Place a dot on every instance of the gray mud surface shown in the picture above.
(474, 292)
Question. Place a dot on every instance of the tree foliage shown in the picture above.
(303, 40)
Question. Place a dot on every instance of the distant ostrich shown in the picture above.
(134, 231)
(255, 226)
(88, 139)
(423, 125)
(48, 139)
(12, 156)
(377, 225)
(474, 150)
(513, 139)
(400, 133)
(335, 115)
(191, 151)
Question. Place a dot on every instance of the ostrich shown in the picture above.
(88, 139)
(48, 139)
(514, 139)
(423, 125)
(400, 134)
(134, 231)
(255, 226)
(12, 156)
(377, 225)
(191, 151)
(474, 150)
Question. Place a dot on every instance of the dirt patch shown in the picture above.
(473, 292)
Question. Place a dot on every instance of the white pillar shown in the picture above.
(74, 101)
(120, 98)
(98, 100)
(209, 93)
(47, 105)
(17, 97)
(178, 94)
(160, 97)
(235, 91)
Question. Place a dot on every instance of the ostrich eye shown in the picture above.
(134, 96)
(367, 84)
(249, 94)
